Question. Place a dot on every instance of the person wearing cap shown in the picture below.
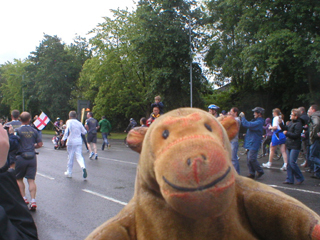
(253, 141)
(213, 109)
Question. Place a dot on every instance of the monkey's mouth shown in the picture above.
(200, 188)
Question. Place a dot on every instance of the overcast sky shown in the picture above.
(24, 22)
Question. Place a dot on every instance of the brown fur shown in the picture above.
(186, 188)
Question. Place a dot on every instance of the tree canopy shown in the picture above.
(266, 52)
(271, 47)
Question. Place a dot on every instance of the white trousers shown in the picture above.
(75, 150)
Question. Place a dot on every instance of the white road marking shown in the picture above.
(273, 168)
(45, 176)
(116, 160)
(105, 197)
(295, 189)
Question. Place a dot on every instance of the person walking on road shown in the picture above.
(305, 147)
(252, 141)
(16, 220)
(235, 141)
(292, 131)
(266, 138)
(73, 133)
(314, 137)
(15, 123)
(26, 160)
(277, 139)
(105, 128)
(92, 126)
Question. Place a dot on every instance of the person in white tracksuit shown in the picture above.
(73, 133)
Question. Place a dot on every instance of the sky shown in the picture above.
(23, 23)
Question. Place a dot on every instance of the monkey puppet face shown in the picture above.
(186, 157)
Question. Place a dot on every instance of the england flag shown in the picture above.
(41, 121)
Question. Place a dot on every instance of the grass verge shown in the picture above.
(112, 136)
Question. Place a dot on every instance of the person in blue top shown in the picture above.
(252, 141)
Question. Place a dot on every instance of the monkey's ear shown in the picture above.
(230, 124)
(135, 138)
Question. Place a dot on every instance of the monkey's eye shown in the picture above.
(165, 134)
(208, 127)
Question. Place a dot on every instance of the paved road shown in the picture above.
(71, 208)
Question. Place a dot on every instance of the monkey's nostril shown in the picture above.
(189, 161)
(204, 157)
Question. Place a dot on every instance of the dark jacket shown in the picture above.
(254, 133)
(294, 129)
(14, 146)
(131, 125)
(305, 121)
(16, 222)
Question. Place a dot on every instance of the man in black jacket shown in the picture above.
(16, 223)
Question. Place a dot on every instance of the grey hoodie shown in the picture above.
(314, 126)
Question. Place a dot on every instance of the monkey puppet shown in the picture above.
(186, 188)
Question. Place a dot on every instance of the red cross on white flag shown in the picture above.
(41, 121)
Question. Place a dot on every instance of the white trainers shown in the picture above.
(68, 175)
(284, 167)
(267, 165)
(91, 155)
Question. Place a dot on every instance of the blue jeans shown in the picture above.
(105, 140)
(234, 155)
(292, 167)
(252, 162)
(314, 156)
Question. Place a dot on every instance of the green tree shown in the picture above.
(270, 47)
(140, 55)
(164, 49)
(13, 83)
(53, 72)
(111, 79)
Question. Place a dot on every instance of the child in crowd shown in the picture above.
(154, 115)
(267, 137)
(143, 122)
(158, 103)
